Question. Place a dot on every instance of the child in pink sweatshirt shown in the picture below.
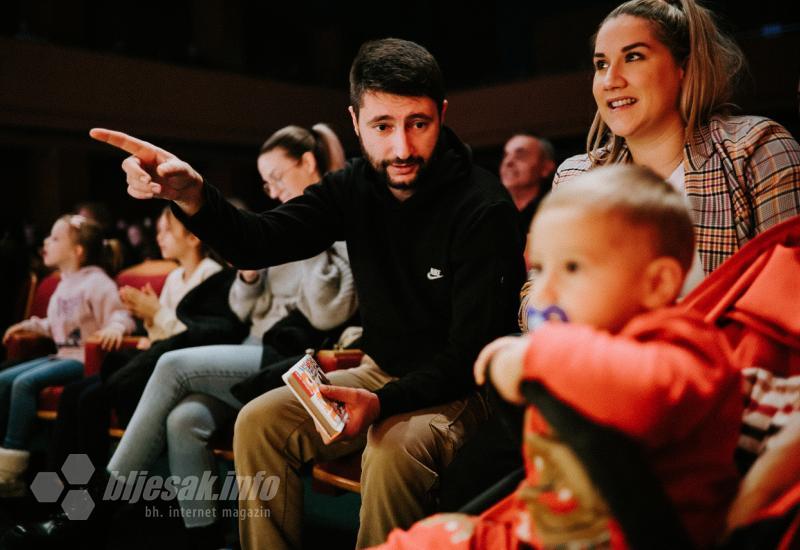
(85, 303)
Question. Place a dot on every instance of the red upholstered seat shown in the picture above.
(48, 402)
(150, 271)
(41, 297)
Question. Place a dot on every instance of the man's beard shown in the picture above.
(381, 166)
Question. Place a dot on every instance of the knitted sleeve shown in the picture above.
(327, 291)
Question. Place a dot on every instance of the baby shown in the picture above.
(611, 252)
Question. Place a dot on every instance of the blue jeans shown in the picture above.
(19, 390)
(186, 399)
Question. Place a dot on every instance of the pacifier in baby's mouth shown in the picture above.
(538, 316)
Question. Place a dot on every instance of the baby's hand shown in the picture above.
(502, 361)
(110, 338)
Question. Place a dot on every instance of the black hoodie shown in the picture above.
(438, 275)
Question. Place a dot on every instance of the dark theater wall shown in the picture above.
(210, 80)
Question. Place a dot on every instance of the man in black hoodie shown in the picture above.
(437, 258)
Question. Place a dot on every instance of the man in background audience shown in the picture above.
(526, 172)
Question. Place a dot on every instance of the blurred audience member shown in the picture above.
(526, 171)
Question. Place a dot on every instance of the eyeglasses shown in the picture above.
(277, 177)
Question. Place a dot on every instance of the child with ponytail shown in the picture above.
(86, 303)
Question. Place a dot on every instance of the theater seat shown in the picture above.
(153, 272)
(339, 359)
(25, 295)
(337, 476)
(41, 297)
(25, 345)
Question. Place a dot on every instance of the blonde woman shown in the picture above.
(664, 76)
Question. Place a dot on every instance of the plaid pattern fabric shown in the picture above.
(742, 176)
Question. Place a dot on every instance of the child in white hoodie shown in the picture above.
(85, 303)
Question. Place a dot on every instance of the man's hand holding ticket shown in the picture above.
(305, 379)
(338, 411)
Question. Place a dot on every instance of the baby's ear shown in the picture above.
(663, 282)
